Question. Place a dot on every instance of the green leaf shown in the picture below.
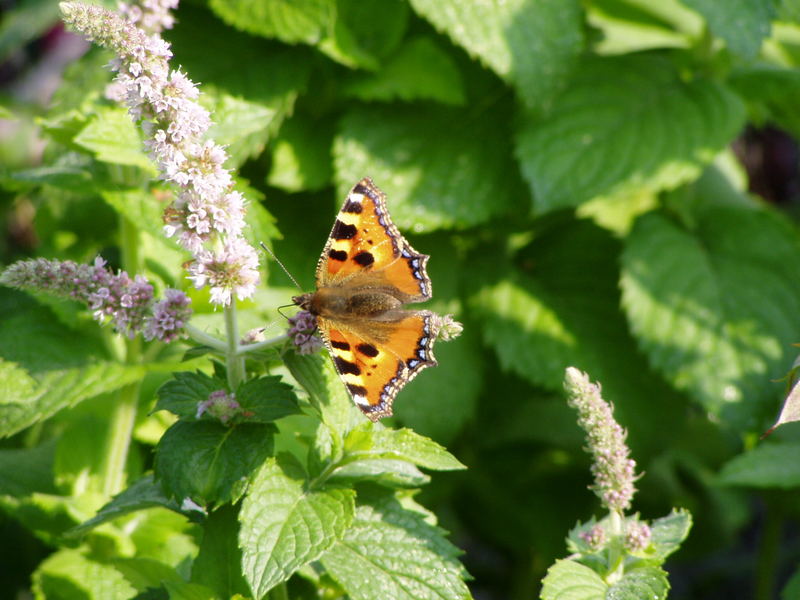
(219, 552)
(771, 94)
(143, 494)
(645, 582)
(569, 580)
(180, 590)
(392, 553)
(266, 399)
(592, 144)
(368, 442)
(326, 391)
(713, 304)
(69, 575)
(78, 466)
(301, 155)
(28, 470)
(113, 138)
(241, 126)
(743, 24)
(364, 31)
(555, 317)
(791, 590)
(285, 526)
(208, 462)
(144, 573)
(24, 23)
(384, 471)
(768, 465)
(287, 20)
(668, 533)
(438, 167)
(29, 400)
(182, 394)
(419, 70)
(138, 206)
(533, 45)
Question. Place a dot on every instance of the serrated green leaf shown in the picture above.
(141, 495)
(182, 394)
(113, 138)
(569, 580)
(73, 178)
(743, 24)
(69, 575)
(533, 45)
(602, 141)
(285, 526)
(419, 70)
(287, 20)
(667, 533)
(32, 400)
(219, 552)
(391, 553)
(645, 582)
(208, 462)
(768, 465)
(713, 305)
(266, 399)
(384, 471)
(368, 442)
(771, 94)
(438, 168)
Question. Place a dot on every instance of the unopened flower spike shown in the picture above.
(612, 467)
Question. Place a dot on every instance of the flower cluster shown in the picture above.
(207, 215)
(303, 332)
(613, 469)
(221, 405)
(151, 15)
(127, 303)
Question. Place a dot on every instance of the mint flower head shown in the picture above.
(207, 214)
(303, 332)
(613, 469)
(127, 303)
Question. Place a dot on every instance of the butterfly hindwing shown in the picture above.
(375, 362)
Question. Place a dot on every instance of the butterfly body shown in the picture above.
(366, 273)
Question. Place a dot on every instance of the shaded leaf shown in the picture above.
(602, 141)
(533, 45)
(769, 465)
(713, 304)
(113, 138)
(219, 554)
(743, 24)
(69, 575)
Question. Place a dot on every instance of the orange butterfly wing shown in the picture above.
(366, 272)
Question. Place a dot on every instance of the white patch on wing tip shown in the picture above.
(360, 400)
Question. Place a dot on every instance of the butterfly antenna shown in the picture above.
(277, 260)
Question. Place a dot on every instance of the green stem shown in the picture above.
(123, 415)
(234, 361)
(615, 547)
(767, 560)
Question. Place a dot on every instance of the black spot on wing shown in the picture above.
(339, 255)
(340, 345)
(364, 258)
(351, 207)
(367, 350)
(342, 231)
(357, 390)
(345, 367)
(363, 190)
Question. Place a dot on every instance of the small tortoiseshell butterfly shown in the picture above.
(366, 273)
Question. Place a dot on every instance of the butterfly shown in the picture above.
(366, 273)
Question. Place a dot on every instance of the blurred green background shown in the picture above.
(609, 184)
